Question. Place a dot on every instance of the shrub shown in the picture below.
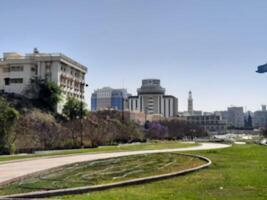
(8, 117)
(39, 130)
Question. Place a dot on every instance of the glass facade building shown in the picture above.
(108, 98)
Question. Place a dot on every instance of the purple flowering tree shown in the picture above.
(157, 131)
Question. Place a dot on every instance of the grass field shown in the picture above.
(104, 171)
(128, 147)
(237, 173)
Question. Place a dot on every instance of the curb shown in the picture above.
(86, 189)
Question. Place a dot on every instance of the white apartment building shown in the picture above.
(260, 118)
(18, 72)
(235, 117)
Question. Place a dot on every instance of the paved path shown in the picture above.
(20, 168)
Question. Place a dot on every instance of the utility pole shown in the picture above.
(81, 115)
(122, 110)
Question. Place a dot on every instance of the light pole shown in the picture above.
(83, 85)
(122, 110)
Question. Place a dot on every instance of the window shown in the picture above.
(16, 80)
(6, 69)
(16, 68)
(7, 81)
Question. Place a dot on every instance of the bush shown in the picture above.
(173, 129)
(8, 117)
(39, 130)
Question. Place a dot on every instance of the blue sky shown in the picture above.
(207, 46)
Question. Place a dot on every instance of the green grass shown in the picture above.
(129, 147)
(237, 173)
(104, 171)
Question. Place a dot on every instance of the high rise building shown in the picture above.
(260, 118)
(263, 107)
(19, 72)
(235, 117)
(151, 100)
(190, 103)
(108, 98)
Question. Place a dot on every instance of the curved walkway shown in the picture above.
(11, 171)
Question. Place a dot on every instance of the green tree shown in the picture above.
(8, 117)
(49, 94)
(75, 110)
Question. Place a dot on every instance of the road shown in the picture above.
(12, 170)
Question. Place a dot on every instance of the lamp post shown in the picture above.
(122, 110)
(81, 114)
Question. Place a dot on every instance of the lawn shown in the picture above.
(237, 173)
(127, 147)
(104, 171)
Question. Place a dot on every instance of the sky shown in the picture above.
(210, 47)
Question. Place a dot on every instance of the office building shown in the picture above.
(108, 98)
(260, 118)
(151, 100)
(19, 72)
(235, 117)
(211, 123)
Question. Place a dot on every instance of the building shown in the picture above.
(108, 98)
(151, 100)
(190, 104)
(235, 117)
(260, 118)
(19, 72)
(210, 123)
(190, 107)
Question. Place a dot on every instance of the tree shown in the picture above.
(96, 131)
(126, 132)
(39, 130)
(248, 122)
(75, 109)
(8, 117)
(49, 94)
(46, 93)
(157, 131)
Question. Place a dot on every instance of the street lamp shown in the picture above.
(81, 114)
(122, 110)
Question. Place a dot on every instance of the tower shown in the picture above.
(190, 103)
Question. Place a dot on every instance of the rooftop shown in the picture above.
(14, 56)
